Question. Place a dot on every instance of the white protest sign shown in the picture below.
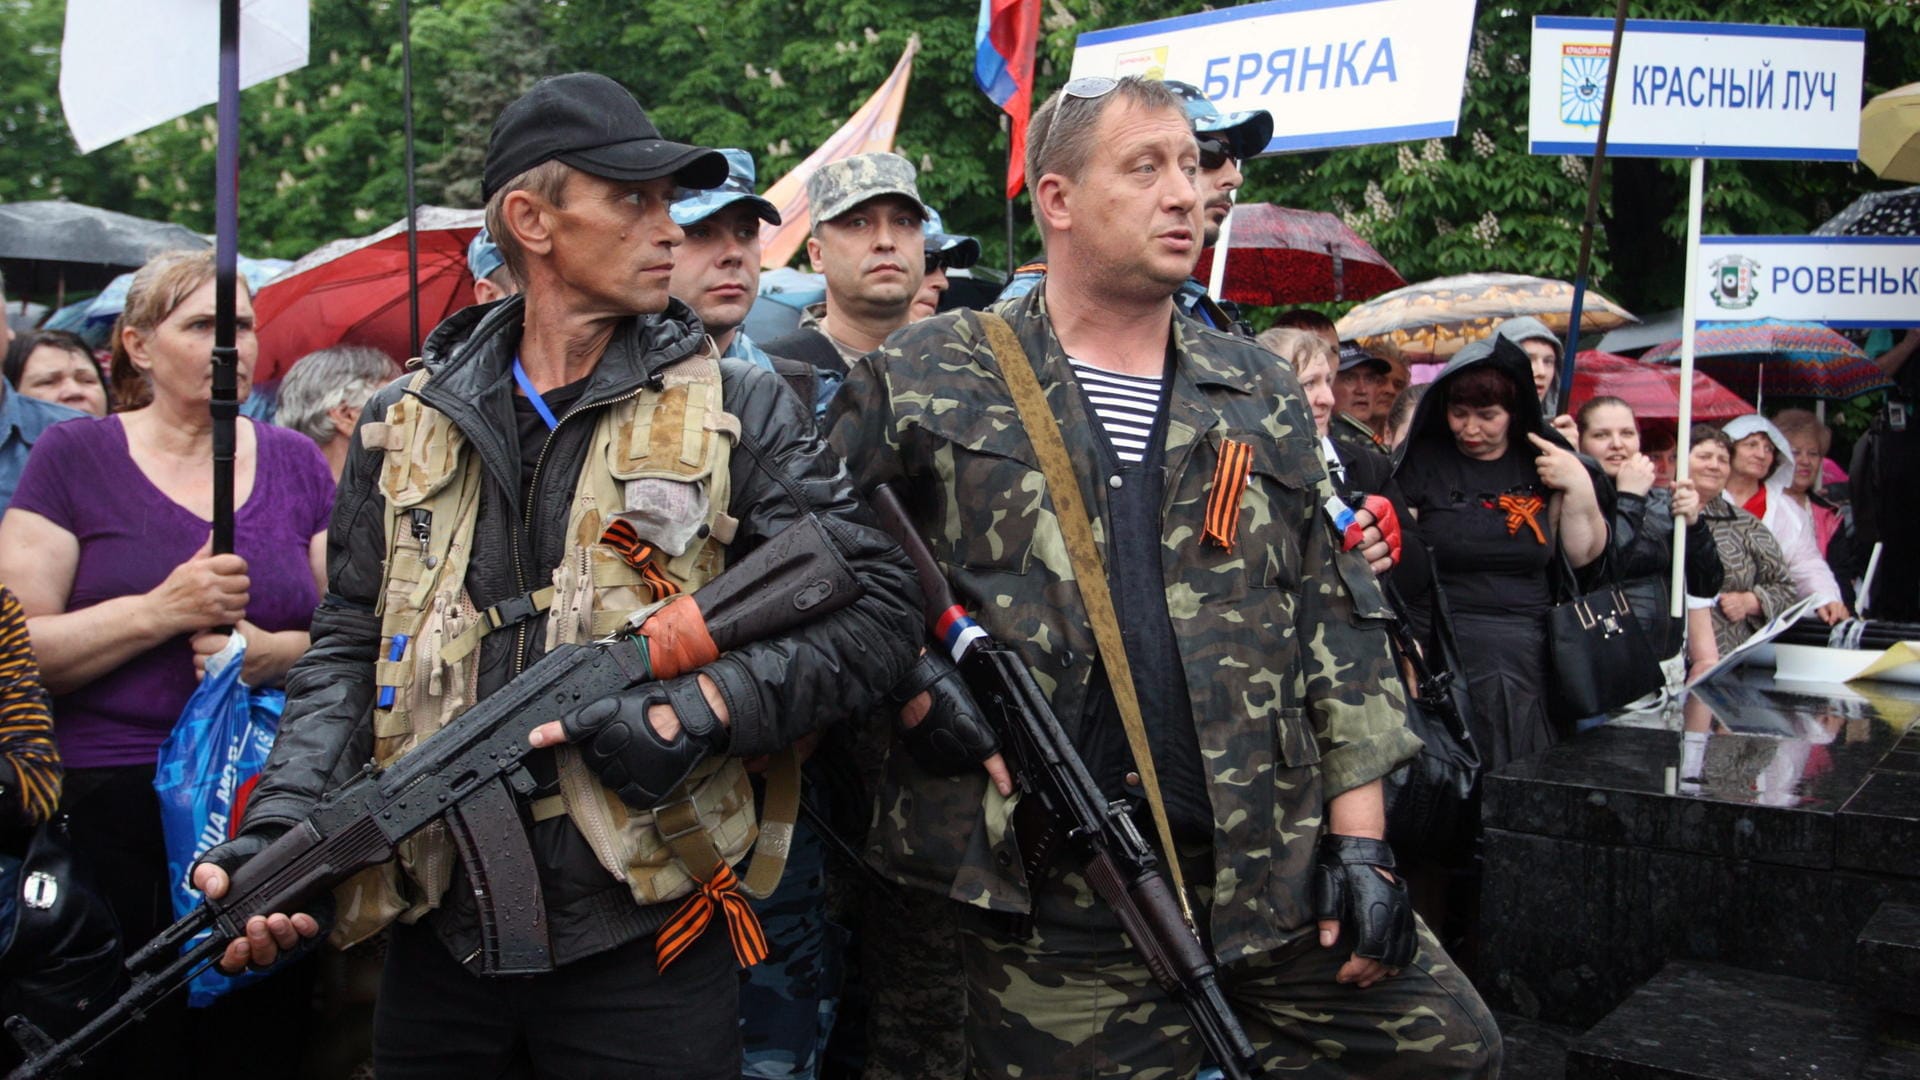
(1850, 281)
(1332, 72)
(1705, 90)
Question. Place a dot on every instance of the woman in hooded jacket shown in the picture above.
(1496, 498)
(1762, 469)
(1641, 537)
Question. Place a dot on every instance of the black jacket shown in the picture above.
(776, 690)
(1641, 544)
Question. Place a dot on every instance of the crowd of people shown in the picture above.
(599, 436)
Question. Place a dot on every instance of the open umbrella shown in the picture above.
(1776, 356)
(1877, 213)
(1890, 134)
(1652, 392)
(1284, 256)
(52, 246)
(354, 291)
(1435, 319)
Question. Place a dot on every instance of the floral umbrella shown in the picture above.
(1776, 356)
(1435, 319)
(1279, 255)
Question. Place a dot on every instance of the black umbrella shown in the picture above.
(55, 246)
(1878, 213)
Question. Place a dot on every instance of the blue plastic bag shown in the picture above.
(216, 750)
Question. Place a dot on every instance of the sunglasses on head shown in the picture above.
(1089, 87)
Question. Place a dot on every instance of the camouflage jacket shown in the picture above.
(1295, 697)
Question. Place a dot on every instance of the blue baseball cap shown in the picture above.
(691, 205)
(956, 252)
(1241, 134)
(483, 255)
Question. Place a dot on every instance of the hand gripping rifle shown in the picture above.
(1060, 802)
(466, 774)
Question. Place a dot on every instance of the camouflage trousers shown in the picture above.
(1073, 1000)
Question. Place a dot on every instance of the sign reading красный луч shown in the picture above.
(1332, 72)
(1845, 281)
(1692, 89)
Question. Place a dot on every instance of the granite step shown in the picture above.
(1887, 958)
(1700, 1021)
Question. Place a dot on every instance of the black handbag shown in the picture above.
(60, 954)
(1431, 808)
(1598, 655)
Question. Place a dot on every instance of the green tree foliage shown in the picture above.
(322, 154)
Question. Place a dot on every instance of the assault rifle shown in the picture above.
(1059, 802)
(466, 774)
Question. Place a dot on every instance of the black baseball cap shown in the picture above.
(1353, 356)
(593, 124)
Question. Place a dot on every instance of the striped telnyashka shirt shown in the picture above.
(1125, 404)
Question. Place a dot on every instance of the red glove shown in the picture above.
(1384, 519)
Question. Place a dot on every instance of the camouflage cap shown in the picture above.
(483, 255)
(1241, 135)
(841, 185)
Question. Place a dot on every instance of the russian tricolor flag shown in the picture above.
(1003, 45)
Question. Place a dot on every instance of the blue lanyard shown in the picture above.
(539, 403)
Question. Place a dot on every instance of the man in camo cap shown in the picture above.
(867, 239)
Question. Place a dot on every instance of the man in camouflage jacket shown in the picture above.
(1272, 705)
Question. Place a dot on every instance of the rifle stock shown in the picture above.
(462, 772)
(1061, 803)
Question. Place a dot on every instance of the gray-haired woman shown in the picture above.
(322, 393)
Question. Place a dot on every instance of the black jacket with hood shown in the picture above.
(776, 690)
(1429, 434)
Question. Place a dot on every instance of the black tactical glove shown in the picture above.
(1376, 919)
(632, 759)
(954, 737)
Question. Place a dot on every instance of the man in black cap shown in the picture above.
(565, 459)
(1361, 400)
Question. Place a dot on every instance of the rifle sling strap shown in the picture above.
(1090, 573)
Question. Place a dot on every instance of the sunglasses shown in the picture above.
(1089, 87)
(1214, 154)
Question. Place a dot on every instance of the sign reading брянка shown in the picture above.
(1690, 89)
(1846, 281)
(1332, 72)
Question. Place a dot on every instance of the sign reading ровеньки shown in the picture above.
(1332, 72)
(1845, 281)
(1690, 89)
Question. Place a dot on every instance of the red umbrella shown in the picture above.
(1652, 392)
(354, 292)
(1278, 255)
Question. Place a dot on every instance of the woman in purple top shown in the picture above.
(106, 544)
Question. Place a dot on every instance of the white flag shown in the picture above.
(125, 67)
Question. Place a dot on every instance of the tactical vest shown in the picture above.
(657, 459)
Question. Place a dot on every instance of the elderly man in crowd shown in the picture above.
(1271, 714)
(1361, 400)
(323, 393)
(512, 440)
